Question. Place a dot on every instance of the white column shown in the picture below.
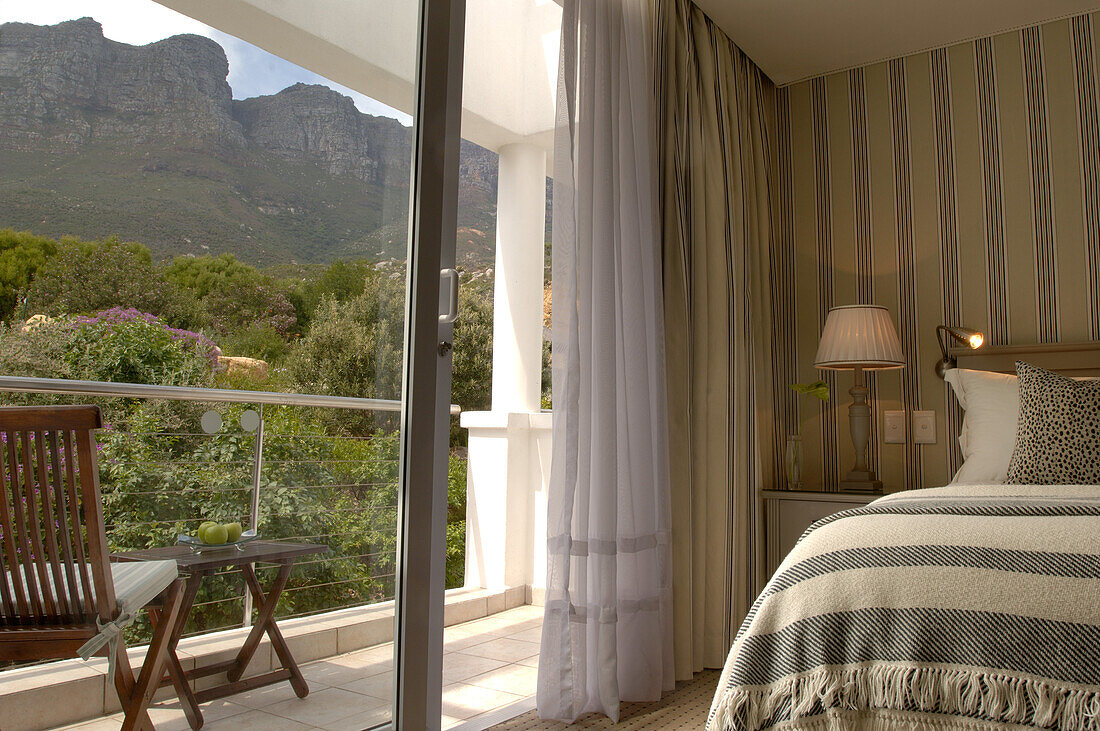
(517, 308)
(509, 455)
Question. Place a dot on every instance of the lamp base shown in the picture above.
(860, 482)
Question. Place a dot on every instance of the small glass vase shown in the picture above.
(792, 461)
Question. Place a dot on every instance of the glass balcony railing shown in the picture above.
(294, 467)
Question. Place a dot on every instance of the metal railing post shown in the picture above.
(254, 519)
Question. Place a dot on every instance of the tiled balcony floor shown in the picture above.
(488, 664)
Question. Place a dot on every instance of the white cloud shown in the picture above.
(252, 70)
(129, 21)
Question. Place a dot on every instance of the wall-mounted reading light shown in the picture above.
(972, 338)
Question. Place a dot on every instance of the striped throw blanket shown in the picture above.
(962, 608)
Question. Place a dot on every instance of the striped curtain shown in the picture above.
(715, 110)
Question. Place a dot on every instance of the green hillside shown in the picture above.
(262, 208)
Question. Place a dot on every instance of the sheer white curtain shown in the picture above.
(607, 633)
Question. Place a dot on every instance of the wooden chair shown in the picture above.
(59, 593)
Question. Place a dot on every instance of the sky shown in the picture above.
(252, 70)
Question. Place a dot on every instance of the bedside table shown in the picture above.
(788, 513)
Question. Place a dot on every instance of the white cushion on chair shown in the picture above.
(136, 582)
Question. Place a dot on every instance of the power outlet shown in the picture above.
(924, 427)
(893, 427)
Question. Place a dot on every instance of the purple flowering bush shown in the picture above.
(123, 345)
(129, 346)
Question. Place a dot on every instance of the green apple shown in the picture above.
(215, 535)
(233, 530)
(201, 532)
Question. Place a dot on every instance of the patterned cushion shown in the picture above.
(1058, 434)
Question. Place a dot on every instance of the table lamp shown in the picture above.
(859, 337)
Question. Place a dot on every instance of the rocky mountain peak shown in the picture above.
(307, 121)
(67, 85)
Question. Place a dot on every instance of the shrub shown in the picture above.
(21, 255)
(119, 345)
(205, 274)
(128, 346)
(235, 295)
(472, 364)
(340, 281)
(40, 352)
(456, 521)
(354, 348)
(327, 478)
(89, 276)
(262, 342)
(239, 305)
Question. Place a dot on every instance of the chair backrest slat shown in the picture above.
(34, 518)
(45, 499)
(54, 551)
(76, 522)
(12, 541)
(8, 562)
(64, 527)
(22, 534)
(99, 556)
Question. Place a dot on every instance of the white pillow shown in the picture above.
(992, 405)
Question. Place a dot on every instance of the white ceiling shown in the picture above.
(793, 40)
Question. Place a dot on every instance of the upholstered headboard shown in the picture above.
(1071, 359)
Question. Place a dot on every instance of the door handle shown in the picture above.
(451, 275)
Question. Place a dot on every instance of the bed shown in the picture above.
(967, 607)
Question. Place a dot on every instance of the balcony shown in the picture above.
(337, 614)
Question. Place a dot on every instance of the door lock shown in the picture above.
(444, 347)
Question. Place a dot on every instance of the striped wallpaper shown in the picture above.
(957, 186)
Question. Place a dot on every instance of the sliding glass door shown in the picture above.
(284, 176)
(429, 345)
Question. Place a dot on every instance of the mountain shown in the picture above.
(103, 138)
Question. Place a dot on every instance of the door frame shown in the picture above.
(422, 501)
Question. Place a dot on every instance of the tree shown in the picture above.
(341, 280)
(354, 348)
(90, 276)
(472, 365)
(472, 379)
(21, 255)
(235, 295)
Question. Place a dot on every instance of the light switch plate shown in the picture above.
(924, 427)
(893, 427)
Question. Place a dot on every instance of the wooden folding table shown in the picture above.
(197, 566)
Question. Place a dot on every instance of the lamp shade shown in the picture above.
(859, 336)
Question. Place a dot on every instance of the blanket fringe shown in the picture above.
(996, 698)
